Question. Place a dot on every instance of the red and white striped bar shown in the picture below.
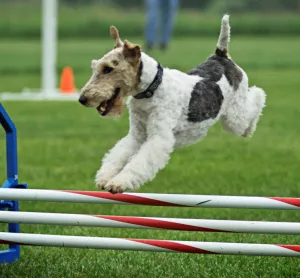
(213, 248)
(204, 201)
(108, 221)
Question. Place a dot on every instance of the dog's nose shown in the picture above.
(82, 100)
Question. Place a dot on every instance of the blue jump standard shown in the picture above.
(13, 251)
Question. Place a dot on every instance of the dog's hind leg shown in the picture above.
(243, 111)
(257, 98)
(243, 106)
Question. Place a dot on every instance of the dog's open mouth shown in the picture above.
(106, 105)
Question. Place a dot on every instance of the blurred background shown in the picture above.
(83, 32)
(61, 143)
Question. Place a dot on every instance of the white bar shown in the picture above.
(40, 96)
(49, 46)
(151, 245)
(289, 228)
(211, 201)
(50, 196)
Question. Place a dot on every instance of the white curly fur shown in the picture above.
(159, 124)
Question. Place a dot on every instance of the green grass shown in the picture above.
(93, 21)
(61, 144)
(23, 70)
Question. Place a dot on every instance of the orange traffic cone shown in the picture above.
(67, 85)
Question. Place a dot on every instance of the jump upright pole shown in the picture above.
(179, 200)
(13, 251)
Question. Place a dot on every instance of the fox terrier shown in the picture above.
(168, 108)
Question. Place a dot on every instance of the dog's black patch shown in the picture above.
(140, 71)
(211, 70)
(206, 97)
(233, 74)
(215, 67)
(221, 53)
(205, 102)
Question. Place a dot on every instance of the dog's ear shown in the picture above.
(94, 64)
(132, 52)
(114, 33)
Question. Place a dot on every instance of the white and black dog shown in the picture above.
(168, 108)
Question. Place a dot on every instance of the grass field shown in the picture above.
(93, 20)
(61, 144)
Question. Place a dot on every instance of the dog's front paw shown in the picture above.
(100, 183)
(101, 179)
(116, 186)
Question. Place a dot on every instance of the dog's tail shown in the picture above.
(224, 38)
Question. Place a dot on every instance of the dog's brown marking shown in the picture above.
(132, 52)
(115, 62)
(120, 69)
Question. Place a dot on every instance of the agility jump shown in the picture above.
(12, 192)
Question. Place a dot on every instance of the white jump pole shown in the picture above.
(49, 38)
(204, 201)
(212, 248)
(108, 221)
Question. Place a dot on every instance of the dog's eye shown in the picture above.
(107, 69)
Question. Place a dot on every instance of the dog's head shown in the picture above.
(114, 76)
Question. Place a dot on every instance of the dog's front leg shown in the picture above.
(151, 157)
(114, 161)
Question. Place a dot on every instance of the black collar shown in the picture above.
(153, 86)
